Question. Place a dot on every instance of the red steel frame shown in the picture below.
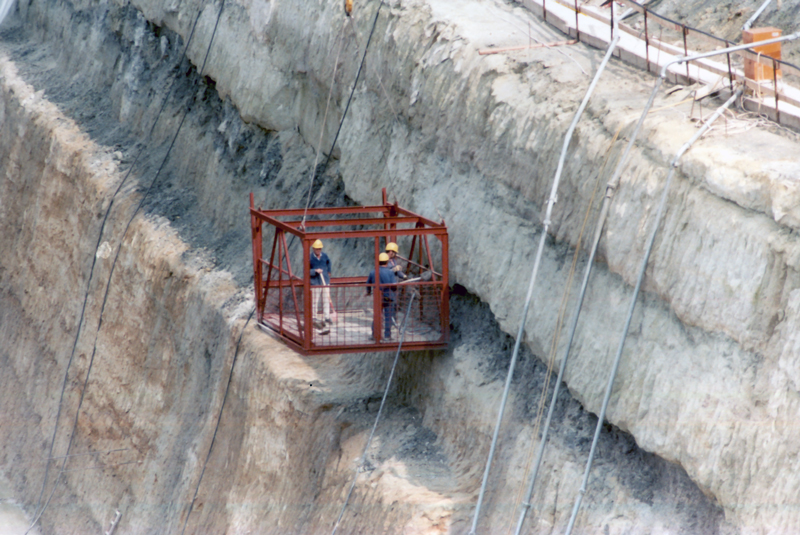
(388, 216)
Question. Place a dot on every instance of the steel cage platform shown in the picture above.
(294, 310)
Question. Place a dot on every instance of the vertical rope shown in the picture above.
(536, 264)
(111, 274)
(525, 502)
(89, 282)
(355, 83)
(219, 419)
(378, 417)
(324, 121)
(642, 269)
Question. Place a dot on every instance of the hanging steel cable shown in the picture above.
(324, 166)
(526, 504)
(324, 118)
(82, 315)
(546, 226)
(355, 83)
(111, 273)
(612, 185)
(639, 280)
(378, 417)
(219, 419)
(519, 502)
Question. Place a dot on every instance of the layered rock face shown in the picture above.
(708, 382)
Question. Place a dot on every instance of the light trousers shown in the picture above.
(323, 292)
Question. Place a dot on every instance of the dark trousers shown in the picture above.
(388, 315)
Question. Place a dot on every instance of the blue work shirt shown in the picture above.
(323, 263)
(385, 277)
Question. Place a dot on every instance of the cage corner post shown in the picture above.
(445, 295)
(308, 313)
(258, 282)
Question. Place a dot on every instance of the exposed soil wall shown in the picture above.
(706, 386)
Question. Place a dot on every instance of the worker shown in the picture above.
(394, 264)
(320, 276)
(386, 280)
(348, 7)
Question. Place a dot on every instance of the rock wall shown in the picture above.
(707, 380)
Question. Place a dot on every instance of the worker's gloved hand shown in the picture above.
(396, 268)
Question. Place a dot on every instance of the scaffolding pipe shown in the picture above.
(612, 185)
(758, 13)
(546, 225)
(526, 504)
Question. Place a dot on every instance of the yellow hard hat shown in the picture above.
(383, 257)
(392, 246)
(348, 6)
(317, 244)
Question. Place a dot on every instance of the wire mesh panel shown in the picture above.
(284, 310)
(346, 315)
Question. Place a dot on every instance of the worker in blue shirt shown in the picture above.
(320, 276)
(386, 280)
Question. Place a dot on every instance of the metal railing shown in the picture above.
(345, 314)
(688, 40)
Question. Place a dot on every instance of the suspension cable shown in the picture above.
(611, 189)
(111, 273)
(526, 502)
(324, 166)
(524, 316)
(91, 276)
(378, 417)
(355, 83)
(559, 380)
(219, 419)
(634, 297)
(529, 492)
(340, 38)
(388, 102)
(614, 182)
(377, 74)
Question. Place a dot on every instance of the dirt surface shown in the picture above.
(294, 427)
(12, 518)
